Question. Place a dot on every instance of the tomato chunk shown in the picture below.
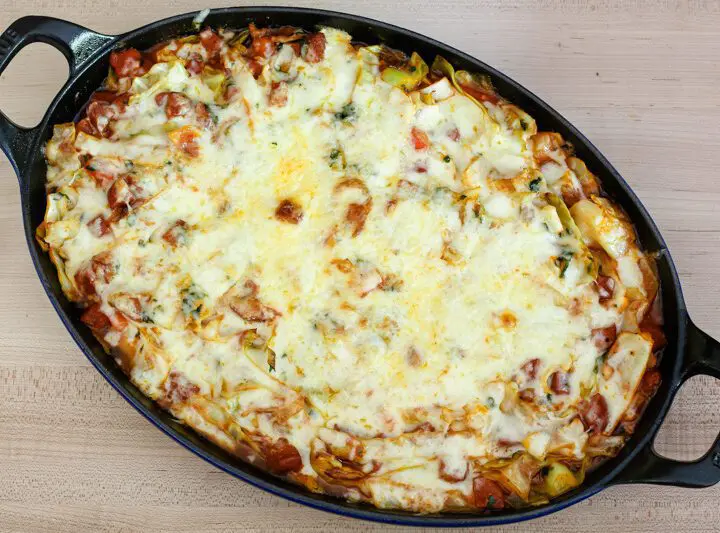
(99, 226)
(559, 382)
(95, 319)
(604, 337)
(128, 62)
(177, 234)
(211, 41)
(278, 94)
(176, 104)
(315, 47)
(487, 494)
(594, 413)
(480, 95)
(282, 457)
(605, 288)
(420, 139)
(178, 389)
(531, 367)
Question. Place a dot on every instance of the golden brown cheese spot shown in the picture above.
(289, 211)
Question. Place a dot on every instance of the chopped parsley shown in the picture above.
(347, 112)
(192, 300)
(563, 261)
(447, 159)
(534, 185)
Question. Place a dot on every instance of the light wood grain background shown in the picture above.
(641, 78)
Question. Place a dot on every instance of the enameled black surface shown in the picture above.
(689, 351)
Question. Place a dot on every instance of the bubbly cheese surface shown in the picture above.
(386, 281)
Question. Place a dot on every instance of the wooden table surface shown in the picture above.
(641, 78)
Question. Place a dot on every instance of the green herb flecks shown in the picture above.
(192, 301)
(347, 113)
(563, 261)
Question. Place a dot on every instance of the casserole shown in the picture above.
(675, 323)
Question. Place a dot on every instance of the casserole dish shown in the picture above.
(689, 351)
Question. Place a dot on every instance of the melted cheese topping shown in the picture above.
(412, 301)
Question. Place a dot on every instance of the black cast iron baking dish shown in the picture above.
(689, 351)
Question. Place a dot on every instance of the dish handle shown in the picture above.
(77, 44)
(702, 356)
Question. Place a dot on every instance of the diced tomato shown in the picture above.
(606, 287)
(255, 67)
(195, 65)
(559, 382)
(118, 194)
(99, 226)
(202, 114)
(128, 62)
(487, 494)
(121, 102)
(531, 367)
(99, 269)
(481, 95)
(604, 337)
(296, 47)
(176, 104)
(594, 413)
(211, 41)
(278, 94)
(230, 92)
(526, 395)
(176, 233)
(178, 389)
(119, 212)
(99, 114)
(282, 457)
(452, 475)
(95, 319)
(101, 179)
(85, 126)
(118, 321)
(315, 47)
(262, 47)
(185, 140)
(420, 139)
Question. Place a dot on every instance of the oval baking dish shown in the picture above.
(689, 351)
